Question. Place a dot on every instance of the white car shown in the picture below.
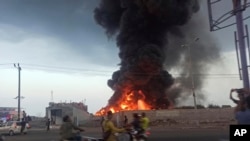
(13, 127)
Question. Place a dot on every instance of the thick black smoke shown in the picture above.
(143, 29)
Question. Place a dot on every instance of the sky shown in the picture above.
(66, 57)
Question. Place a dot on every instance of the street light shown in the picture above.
(190, 69)
(19, 89)
(22, 97)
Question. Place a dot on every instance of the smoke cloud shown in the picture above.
(149, 35)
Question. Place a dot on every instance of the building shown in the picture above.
(9, 113)
(77, 111)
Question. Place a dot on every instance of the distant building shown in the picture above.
(77, 111)
(9, 113)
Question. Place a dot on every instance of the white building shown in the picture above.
(77, 111)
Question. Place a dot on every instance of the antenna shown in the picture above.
(52, 99)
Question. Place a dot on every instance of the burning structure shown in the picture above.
(143, 29)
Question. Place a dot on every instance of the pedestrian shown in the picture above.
(243, 117)
(66, 130)
(110, 129)
(125, 121)
(23, 125)
(24, 115)
(240, 102)
(48, 124)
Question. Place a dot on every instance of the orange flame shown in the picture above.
(133, 100)
(142, 105)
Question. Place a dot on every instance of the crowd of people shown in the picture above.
(139, 123)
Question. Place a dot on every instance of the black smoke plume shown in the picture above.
(143, 29)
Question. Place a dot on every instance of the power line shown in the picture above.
(69, 71)
(6, 64)
(60, 69)
(104, 72)
(64, 68)
(4, 68)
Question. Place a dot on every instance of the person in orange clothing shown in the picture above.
(109, 128)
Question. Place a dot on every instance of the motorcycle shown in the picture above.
(133, 135)
(84, 138)
(140, 136)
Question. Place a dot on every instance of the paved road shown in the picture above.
(191, 135)
(156, 135)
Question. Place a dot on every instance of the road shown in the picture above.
(157, 134)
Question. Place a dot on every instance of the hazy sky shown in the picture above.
(60, 48)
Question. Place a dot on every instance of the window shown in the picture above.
(9, 123)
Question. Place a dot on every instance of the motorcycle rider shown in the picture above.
(144, 122)
(136, 123)
(109, 128)
(67, 128)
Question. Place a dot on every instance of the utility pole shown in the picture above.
(192, 76)
(190, 62)
(241, 41)
(191, 69)
(220, 22)
(19, 89)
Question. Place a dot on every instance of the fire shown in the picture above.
(132, 100)
(123, 106)
(142, 105)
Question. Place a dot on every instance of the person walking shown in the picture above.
(23, 125)
(125, 122)
(48, 124)
(24, 115)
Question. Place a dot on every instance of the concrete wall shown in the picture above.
(186, 115)
(219, 116)
(80, 116)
